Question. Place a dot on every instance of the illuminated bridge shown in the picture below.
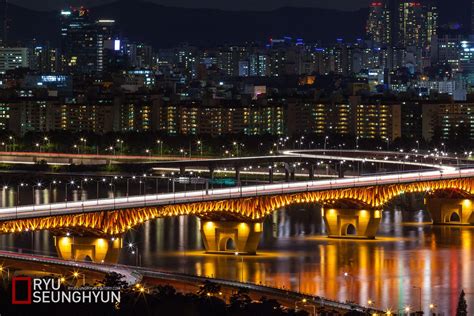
(351, 208)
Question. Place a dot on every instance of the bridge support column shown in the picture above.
(231, 237)
(451, 211)
(88, 248)
(351, 223)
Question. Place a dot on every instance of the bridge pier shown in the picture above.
(351, 223)
(449, 211)
(231, 237)
(93, 249)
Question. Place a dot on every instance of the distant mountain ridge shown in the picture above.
(163, 26)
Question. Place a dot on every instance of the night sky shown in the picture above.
(220, 4)
(448, 11)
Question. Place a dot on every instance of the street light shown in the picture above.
(200, 146)
(12, 139)
(84, 142)
(38, 185)
(2, 268)
(407, 309)
(77, 274)
(134, 251)
(237, 146)
(65, 195)
(160, 142)
(120, 142)
(128, 184)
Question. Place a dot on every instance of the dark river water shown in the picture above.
(409, 257)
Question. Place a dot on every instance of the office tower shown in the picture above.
(82, 41)
(105, 33)
(378, 27)
(78, 41)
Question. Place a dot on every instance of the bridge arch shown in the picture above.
(348, 230)
(453, 217)
(227, 243)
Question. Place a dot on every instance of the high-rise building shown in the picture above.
(402, 23)
(82, 41)
(78, 44)
(378, 27)
(12, 58)
(417, 23)
(105, 32)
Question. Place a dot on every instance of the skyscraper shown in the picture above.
(378, 27)
(82, 41)
(416, 24)
(402, 23)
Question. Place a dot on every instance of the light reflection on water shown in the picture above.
(294, 253)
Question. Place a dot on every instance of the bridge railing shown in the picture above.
(227, 193)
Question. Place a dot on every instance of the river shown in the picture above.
(410, 260)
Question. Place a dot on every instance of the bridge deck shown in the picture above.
(34, 211)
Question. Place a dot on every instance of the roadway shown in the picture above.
(66, 208)
(129, 273)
